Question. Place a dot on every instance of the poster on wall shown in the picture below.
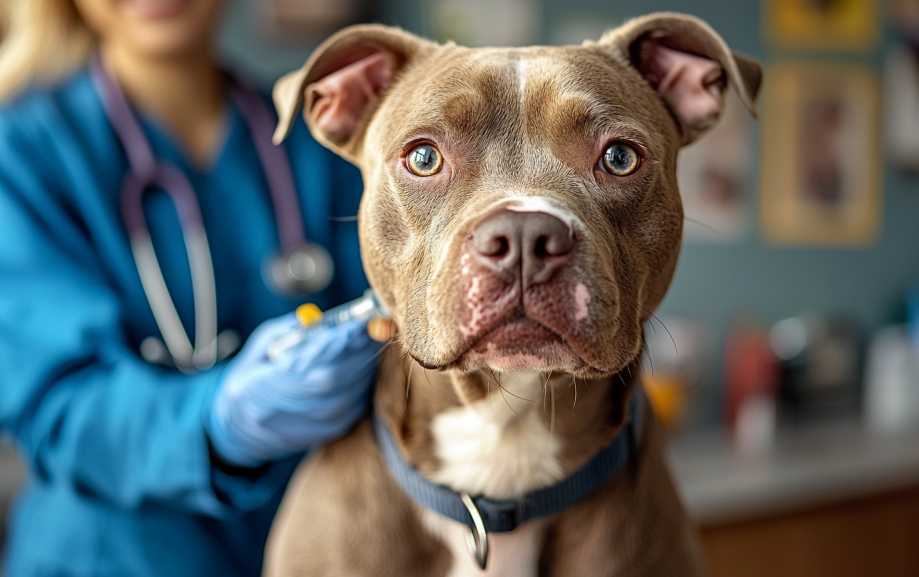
(904, 15)
(573, 28)
(821, 155)
(484, 22)
(714, 175)
(901, 87)
(901, 106)
(849, 25)
(294, 20)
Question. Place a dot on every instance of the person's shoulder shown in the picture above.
(47, 131)
(42, 114)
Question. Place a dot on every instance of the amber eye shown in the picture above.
(620, 159)
(424, 160)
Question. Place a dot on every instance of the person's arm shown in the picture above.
(83, 408)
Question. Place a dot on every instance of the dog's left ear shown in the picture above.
(688, 64)
(341, 84)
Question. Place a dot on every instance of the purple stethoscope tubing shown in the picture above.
(301, 267)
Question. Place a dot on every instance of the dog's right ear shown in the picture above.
(688, 65)
(340, 85)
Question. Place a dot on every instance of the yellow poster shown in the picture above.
(847, 25)
(821, 155)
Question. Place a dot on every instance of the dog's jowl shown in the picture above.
(521, 219)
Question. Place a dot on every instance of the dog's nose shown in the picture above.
(533, 245)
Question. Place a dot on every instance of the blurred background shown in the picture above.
(785, 360)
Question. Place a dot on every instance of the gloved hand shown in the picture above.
(265, 410)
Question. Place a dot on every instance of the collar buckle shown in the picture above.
(477, 535)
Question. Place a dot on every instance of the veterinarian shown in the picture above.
(143, 221)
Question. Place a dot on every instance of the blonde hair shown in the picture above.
(42, 41)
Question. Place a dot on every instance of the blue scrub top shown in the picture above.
(120, 478)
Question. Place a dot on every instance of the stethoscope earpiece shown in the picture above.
(154, 351)
(308, 269)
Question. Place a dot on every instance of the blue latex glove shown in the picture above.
(265, 410)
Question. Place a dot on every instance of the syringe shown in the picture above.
(364, 308)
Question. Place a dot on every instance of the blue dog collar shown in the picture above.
(483, 515)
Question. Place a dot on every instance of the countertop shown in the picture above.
(807, 466)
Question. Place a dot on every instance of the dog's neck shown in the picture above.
(503, 434)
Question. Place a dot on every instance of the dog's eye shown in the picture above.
(424, 160)
(620, 159)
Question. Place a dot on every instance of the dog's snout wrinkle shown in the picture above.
(533, 245)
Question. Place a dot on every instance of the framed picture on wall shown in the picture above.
(901, 106)
(848, 25)
(901, 90)
(821, 155)
(296, 20)
(484, 22)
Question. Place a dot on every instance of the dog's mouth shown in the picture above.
(519, 343)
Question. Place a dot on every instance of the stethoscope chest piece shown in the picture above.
(307, 269)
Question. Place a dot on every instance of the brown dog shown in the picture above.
(521, 219)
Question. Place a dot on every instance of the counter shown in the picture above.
(808, 466)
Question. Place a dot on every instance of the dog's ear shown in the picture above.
(688, 64)
(341, 83)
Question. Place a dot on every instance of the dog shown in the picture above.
(521, 219)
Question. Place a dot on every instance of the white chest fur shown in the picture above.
(499, 446)
(502, 448)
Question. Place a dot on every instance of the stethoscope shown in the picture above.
(301, 267)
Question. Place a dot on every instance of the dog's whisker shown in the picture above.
(655, 317)
(575, 383)
(375, 356)
(705, 226)
(517, 396)
(342, 218)
(408, 387)
(408, 380)
(385, 346)
(426, 377)
(552, 417)
(488, 396)
(501, 389)
(646, 351)
(488, 391)
(650, 362)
